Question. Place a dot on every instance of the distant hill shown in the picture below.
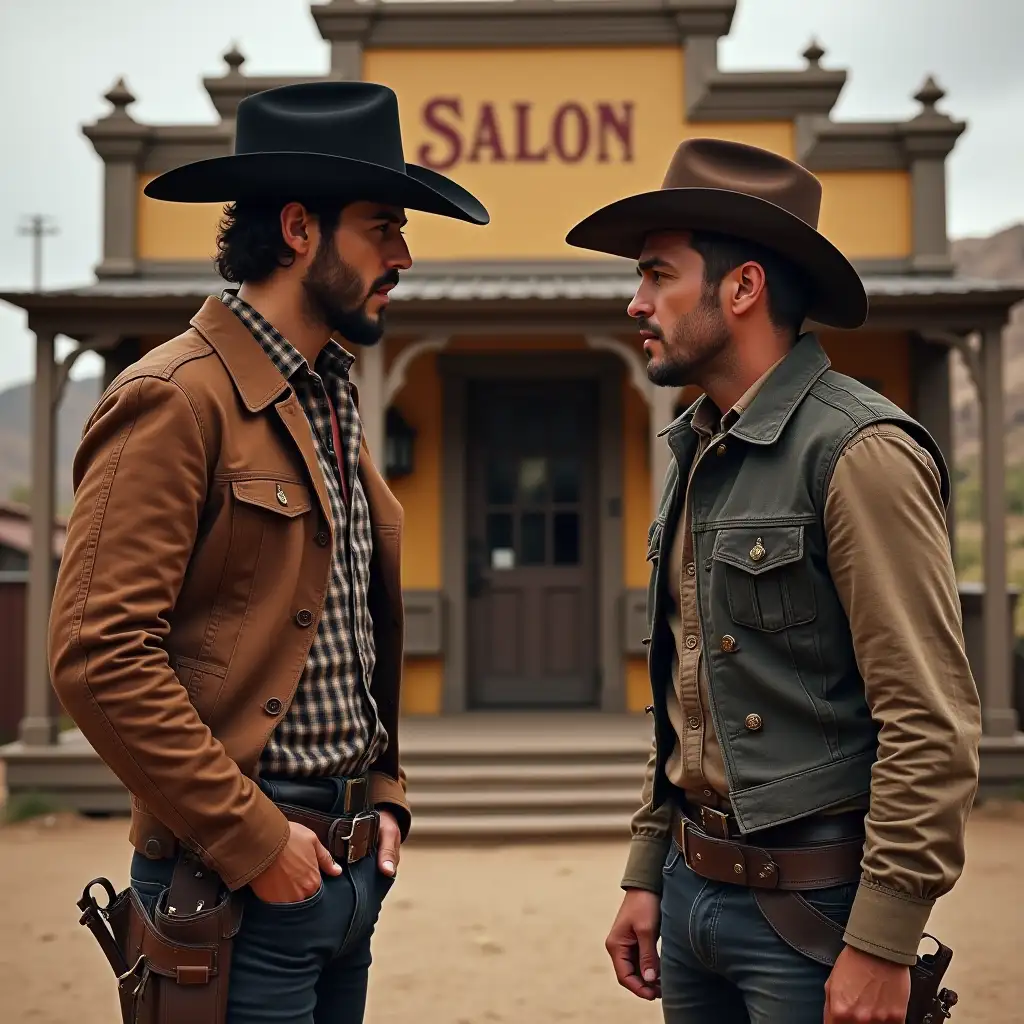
(15, 435)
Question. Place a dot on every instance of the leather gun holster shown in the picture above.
(173, 967)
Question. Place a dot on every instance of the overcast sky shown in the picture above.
(58, 57)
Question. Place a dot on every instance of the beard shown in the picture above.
(698, 338)
(336, 296)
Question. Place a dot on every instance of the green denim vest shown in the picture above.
(775, 639)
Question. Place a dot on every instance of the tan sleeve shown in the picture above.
(889, 557)
(651, 837)
(141, 480)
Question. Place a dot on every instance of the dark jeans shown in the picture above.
(296, 963)
(721, 962)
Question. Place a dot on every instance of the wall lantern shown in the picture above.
(398, 445)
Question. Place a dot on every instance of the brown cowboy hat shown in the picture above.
(738, 190)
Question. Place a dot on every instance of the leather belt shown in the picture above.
(815, 865)
(828, 854)
(347, 839)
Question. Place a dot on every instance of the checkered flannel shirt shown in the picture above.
(332, 726)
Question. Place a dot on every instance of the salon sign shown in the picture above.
(455, 131)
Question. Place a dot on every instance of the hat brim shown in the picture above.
(271, 176)
(838, 296)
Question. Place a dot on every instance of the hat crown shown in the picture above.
(356, 120)
(736, 167)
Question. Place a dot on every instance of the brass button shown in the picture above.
(649, 710)
(737, 869)
(757, 552)
(281, 496)
(691, 642)
(728, 643)
(753, 722)
(693, 722)
(691, 569)
(154, 848)
(720, 450)
(708, 793)
(323, 538)
(304, 617)
(273, 706)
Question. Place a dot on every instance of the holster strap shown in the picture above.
(798, 924)
(93, 919)
(739, 863)
(188, 965)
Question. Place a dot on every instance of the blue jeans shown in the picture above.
(721, 962)
(296, 963)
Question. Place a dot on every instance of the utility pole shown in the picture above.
(37, 227)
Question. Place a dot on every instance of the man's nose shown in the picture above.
(401, 259)
(640, 307)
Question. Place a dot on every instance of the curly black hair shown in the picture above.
(250, 246)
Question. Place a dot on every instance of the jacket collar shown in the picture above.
(763, 421)
(256, 379)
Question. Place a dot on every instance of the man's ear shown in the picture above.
(747, 286)
(295, 224)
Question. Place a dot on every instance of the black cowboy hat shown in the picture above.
(746, 192)
(319, 140)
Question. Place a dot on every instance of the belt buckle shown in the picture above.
(715, 823)
(355, 824)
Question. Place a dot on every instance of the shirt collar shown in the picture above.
(332, 361)
(706, 418)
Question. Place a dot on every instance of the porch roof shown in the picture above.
(569, 293)
(479, 282)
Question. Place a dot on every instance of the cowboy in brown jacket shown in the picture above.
(227, 624)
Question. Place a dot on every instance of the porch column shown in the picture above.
(39, 727)
(661, 405)
(371, 399)
(933, 407)
(999, 714)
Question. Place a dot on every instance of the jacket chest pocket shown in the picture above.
(270, 515)
(768, 583)
(282, 497)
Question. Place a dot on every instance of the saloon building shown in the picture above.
(509, 402)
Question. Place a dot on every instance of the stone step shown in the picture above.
(507, 828)
(525, 775)
(478, 801)
(487, 752)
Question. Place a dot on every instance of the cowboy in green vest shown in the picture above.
(816, 724)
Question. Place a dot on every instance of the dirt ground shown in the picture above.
(510, 934)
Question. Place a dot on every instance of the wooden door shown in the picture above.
(532, 544)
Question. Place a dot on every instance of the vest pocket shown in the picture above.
(767, 582)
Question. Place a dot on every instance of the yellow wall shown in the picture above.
(867, 213)
(494, 121)
(882, 356)
(175, 231)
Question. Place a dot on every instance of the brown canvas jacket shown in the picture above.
(194, 573)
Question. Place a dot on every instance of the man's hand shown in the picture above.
(389, 842)
(865, 989)
(633, 944)
(294, 875)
